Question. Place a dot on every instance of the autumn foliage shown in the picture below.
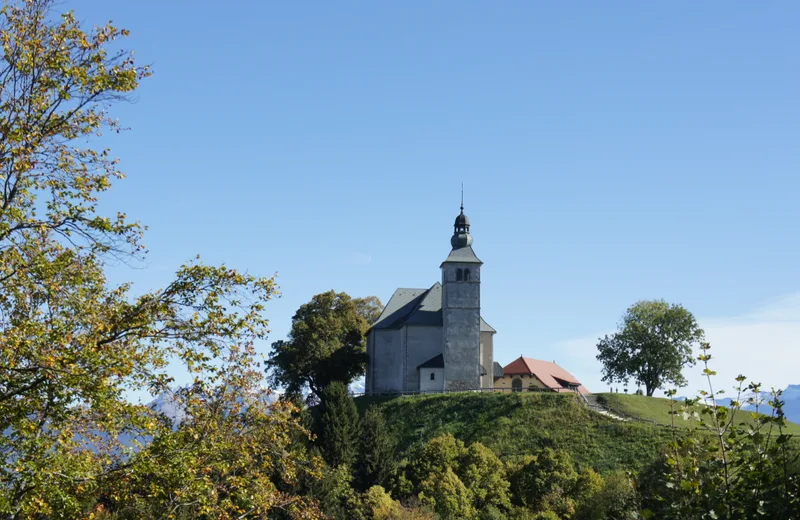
(72, 346)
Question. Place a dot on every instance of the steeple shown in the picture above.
(461, 237)
(461, 310)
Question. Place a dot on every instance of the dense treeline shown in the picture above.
(259, 461)
(721, 468)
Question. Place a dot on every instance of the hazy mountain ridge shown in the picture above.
(790, 397)
(168, 402)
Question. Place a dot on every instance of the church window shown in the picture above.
(466, 275)
(459, 275)
(516, 385)
(433, 376)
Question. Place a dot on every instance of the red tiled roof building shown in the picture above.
(524, 372)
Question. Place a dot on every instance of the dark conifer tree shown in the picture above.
(338, 425)
(376, 457)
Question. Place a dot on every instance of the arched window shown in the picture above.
(466, 275)
(459, 275)
(433, 376)
(516, 385)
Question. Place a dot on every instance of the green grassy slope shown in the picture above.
(514, 425)
(657, 409)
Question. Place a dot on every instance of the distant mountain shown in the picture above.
(791, 408)
(358, 386)
(791, 393)
(169, 404)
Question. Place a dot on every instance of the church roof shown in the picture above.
(429, 310)
(485, 327)
(400, 305)
(464, 255)
(497, 369)
(434, 362)
(416, 307)
(552, 375)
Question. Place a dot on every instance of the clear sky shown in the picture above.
(610, 152)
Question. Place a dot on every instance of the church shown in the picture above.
(434, 339)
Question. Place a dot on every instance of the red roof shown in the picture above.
(547, 372)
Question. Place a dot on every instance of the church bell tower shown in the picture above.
(461, 310)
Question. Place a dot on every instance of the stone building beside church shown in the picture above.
(434, 339)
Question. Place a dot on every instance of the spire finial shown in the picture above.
(462, 197)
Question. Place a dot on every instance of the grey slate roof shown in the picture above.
(434, 362)
(497, 368)
(464, 255)
(416, 307)
(485, 327)
(400, 305)
(429, 310)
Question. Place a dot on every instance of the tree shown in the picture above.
(335, 492)
(546, 482)
(71, 345)
(326, 343)
(652, 346)
(369, 308)
(376, 504)
(447, 495)
(612, 497)
(376, 457)
(456, 481)
(234, 456)
(434, 456)
(485, 476)
(338, 430)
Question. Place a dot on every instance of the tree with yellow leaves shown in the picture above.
(72, 345)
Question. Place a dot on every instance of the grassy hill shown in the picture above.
(657, 409)
(514, 425)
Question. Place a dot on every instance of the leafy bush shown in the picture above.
(723, 468)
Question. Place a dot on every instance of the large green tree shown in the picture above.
(653, 344)
(545, 482)
(71, 344)
(454, 480)
(327, 343)
(369, 308)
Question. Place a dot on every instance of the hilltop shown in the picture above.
(519, 424)
(657, 409)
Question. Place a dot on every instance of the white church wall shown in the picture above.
(423, 344)
(487, 359)
(388, 360)
(428, 383)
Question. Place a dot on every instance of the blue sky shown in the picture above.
(610, 152)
